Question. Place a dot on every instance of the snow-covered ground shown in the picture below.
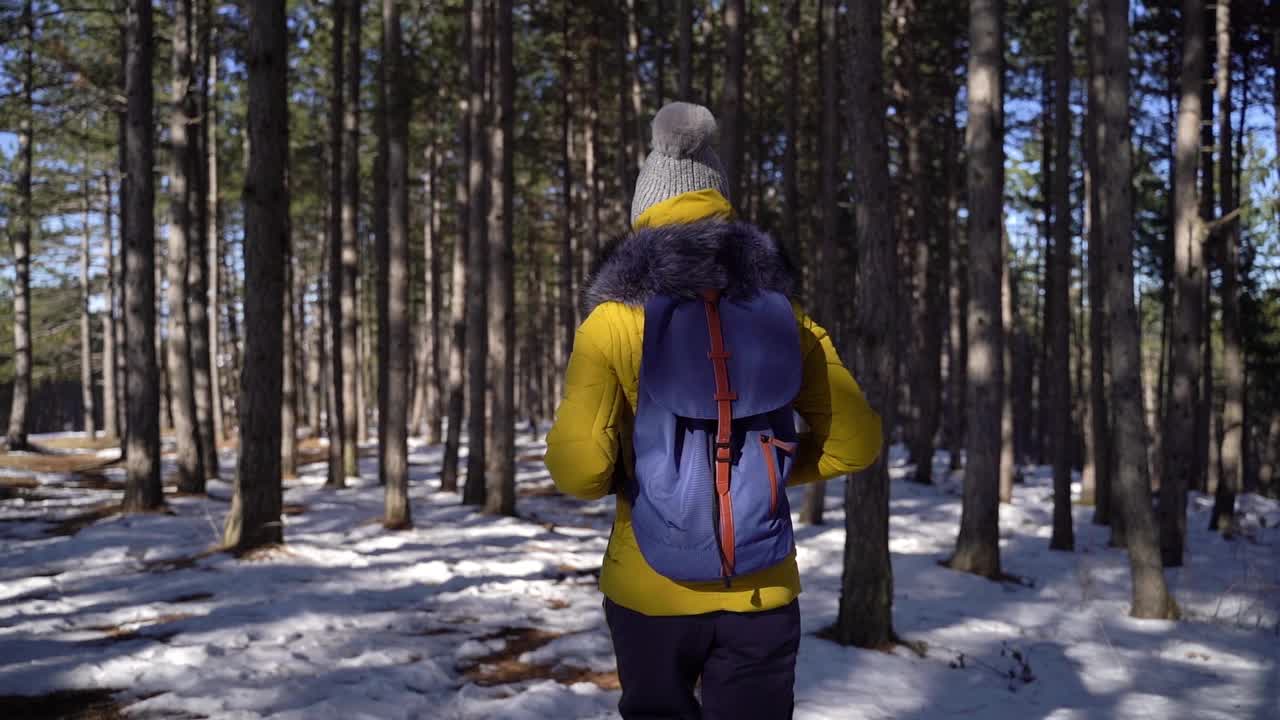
(467, 616)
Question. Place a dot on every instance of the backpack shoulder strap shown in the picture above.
(724, 397)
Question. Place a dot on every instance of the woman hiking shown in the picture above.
(683, 394)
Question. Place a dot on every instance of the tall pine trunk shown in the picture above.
(16, 438)
(1186, 358)
(350, 260)
(213, 220)
(86, 317)
(826, 306)
(143, 491)
(337, 476)
(790, 232)
(1058, 305)
(501, 470)
(477, 259)
(458, 285)
(394, 413)
(733, 107)
(110, 364)
(978, 544)
(1233, 369)
(684, 16)
(433, 249)
(567, 307)
(186, 429)
(865, 616)
(197, 260)
(1151, 597)
(1100, 425)
(254, 519)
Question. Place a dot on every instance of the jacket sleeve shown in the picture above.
(583, 445)
(844, 433)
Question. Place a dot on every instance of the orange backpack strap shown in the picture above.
(724, 397)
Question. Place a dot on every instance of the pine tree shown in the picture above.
(142, 380)
(865, 617)
(1058, 325)
(254, 519)
(393, 415)
(1151, 597)
(978, 545)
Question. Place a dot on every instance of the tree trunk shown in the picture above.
(1012, 341)
(1151, 598)
(86, 317)
(733, 108)
(1058, 323)
(433, 247)
(110, 365)
(289, 370)
(591, 132)
(825, 307)
(393, 414)
(143, 491)
(1100, 426)
(567, 307)
(790, 232)
(501, 469)
(381, 242)
(197, 267)
(182, 399)
(350, 263)
(978, 544)
(1233, 371)
(16, 439)
(865, 616)
(684, 13)
(213, 209)
(254, 519)
(958, 292)
(1186, 360)
(337, 476)
(477, 260)
(458, 288)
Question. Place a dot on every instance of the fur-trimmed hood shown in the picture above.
(682, 260)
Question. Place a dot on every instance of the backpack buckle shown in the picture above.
(724, 451)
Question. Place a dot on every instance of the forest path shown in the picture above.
(470, 616)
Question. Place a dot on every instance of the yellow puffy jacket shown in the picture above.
(591, 438)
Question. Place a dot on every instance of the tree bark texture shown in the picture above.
(16, 437)
(393, 415)
(1100, 427)
(1058, 323)
(865, 617)
(733, 107)
(1186, 358)
(254, 520)
(978, 544)
(1150, 596)
(182, 399)
(684, 16)
(337, 476)
(825, 306)
(197, 259)
(500, 470)
(1233, 368)
(86, 318)
(350, 261)
(477, 260)
(111, 405)
(142, 382)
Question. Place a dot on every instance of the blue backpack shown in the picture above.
(715, 435)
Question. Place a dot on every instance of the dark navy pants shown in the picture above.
(747, 663)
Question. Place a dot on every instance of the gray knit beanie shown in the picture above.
(682, 159)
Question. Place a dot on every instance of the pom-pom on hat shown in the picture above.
(682, 160)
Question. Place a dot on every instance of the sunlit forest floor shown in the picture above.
(468, 616)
